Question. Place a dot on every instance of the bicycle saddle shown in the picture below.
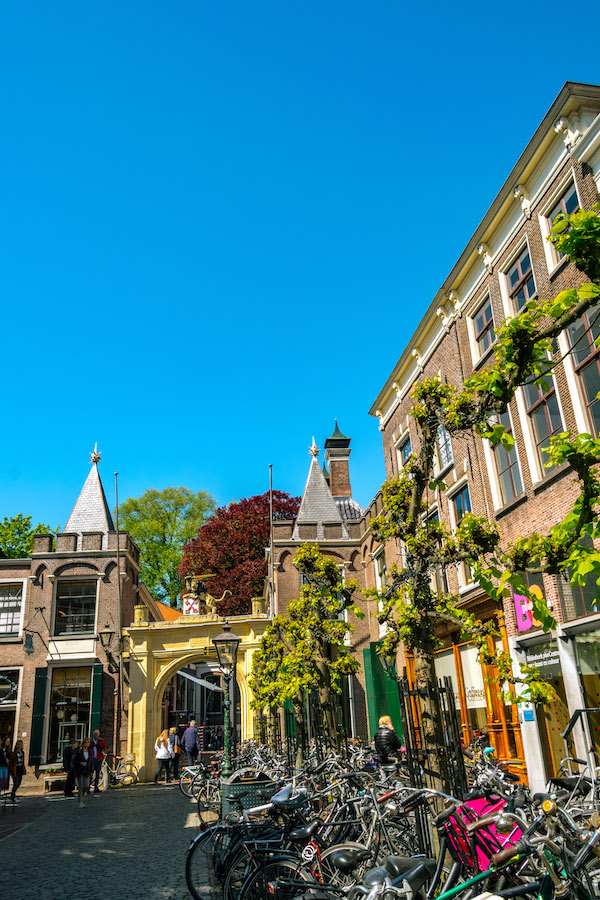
(570, 782)
(402, 868)
(284, 799)
(348, 858)
(233, 797)
(304, 832)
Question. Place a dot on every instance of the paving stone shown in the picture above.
(126, 843)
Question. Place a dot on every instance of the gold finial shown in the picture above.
(95, 456)
(314, 450)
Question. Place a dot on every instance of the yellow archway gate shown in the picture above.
(157, 650)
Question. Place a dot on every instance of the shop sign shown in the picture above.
(546, 659)
(524, 610)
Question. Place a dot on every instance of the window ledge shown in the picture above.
(444, 471)
(558, 267)
(516, 501)
(469, 588)
(484, 356)
(86, 635)
(553, 476)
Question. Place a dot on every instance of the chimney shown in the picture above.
(337, 454)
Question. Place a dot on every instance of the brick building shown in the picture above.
(60, 629)
(507, 261)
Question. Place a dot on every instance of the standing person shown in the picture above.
(175, 750)
(6, 749)
(220, 737)
(387, 742)
(98, 748)
(163, 755)
(3, 769)
(16, 767)
(191, 741)
(69, 767)
(82, 760)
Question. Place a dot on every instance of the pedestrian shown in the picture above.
(387, 742)
(69, 767)
(16, 767)
(163, 755)
(82, 760)
(175, 749)
(220, 737)
(6, 748)
(3, 769)
(98, 748)
(191, 741)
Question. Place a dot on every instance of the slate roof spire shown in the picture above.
(91, 511)
(317, 506)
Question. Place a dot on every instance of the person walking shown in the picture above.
(98, 749)
(69, 767)
(163, 755)
(3, 769)
(175, 750)
(82, 760)
(191, 741)
(16, 767)
(220, 737)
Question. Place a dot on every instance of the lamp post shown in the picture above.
(226, 645)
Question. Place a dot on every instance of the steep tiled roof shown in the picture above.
(317, 503)
(91, 512)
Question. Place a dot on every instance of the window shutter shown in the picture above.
(96, 696)
(38, 717)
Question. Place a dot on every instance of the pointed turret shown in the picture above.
(318, 506)
(91, 511)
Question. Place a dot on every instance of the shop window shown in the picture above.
(587, 646)
(553, 717)
(544, 415)
(11, 599)
(483, 325)
(520, 281)
(586, 359)
(75, 607)
(474, 687)
(9, 687)
(69, 715)
(444, 448)
(507, 464)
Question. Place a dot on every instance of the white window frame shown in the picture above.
(476, 355)
(399, 444)
(7, 638)
(465, 575)
(509, 310)
(578, 401)
(80, 634)
(439, 469)
(490, 459)
(555, 262)
(538, 473)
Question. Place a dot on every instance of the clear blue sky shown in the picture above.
(223, 221)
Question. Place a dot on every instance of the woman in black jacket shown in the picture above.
(387, 742)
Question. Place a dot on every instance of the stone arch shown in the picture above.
(75, 569)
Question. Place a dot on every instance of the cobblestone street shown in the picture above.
(127, 843)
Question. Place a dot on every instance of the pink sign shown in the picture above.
(524, 610)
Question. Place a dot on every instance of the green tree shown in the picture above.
(524, 353)
(16, 535)
(161, 523)
(304, 651)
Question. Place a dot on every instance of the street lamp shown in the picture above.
(226, 645)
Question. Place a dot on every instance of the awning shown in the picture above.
(205, 684)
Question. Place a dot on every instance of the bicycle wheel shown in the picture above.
(267, 880)
(206, 863)
(185, 781)
(127, 773)
(209, 803)
(197, 784)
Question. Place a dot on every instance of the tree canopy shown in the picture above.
(524, 353)
(16, 535)
(305, 649)
(161, 522)
(231, 546)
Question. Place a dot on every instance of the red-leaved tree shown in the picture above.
(231, 546)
